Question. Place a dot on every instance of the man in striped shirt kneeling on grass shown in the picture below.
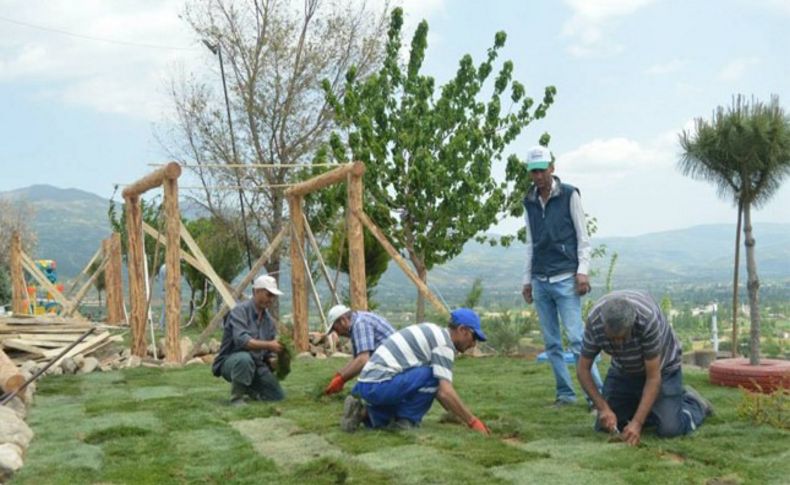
(644, 385)
(408, 370)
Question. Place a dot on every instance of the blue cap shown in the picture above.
(468, 318)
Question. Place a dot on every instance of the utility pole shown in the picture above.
(216, 49)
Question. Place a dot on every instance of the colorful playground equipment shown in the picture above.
(42, 302)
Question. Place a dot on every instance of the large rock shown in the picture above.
(79, 359)
(68, 365)
(208, 358)
(10, 460)
(30, 366)
(195, 360)
(213, 346)
(13, 429)
(186, 346)
(341, 355)
(134, 361)
(89, 365)
(304, 355)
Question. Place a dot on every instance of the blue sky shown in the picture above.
(631, 74)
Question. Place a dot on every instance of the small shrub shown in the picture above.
(772, 409)
(505, 330)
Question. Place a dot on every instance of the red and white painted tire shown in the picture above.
(766, 377)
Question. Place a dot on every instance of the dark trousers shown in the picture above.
(408, 395)
(673, 414)
(257, 381)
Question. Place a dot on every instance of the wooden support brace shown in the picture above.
(218, 283)
(317, 251)
(36, 273)
(382, 239)
(74, 303)
(239, 289)
(84, 271)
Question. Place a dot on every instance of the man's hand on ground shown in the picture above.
(632, 433)
(607, 419)
(336, 385)
(582, 284)
(478, 426)
(526, 292)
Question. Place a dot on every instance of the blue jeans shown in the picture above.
(553, 300)
(408, 395)
(674, 413)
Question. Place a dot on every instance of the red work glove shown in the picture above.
(478, 426)
(336, 385)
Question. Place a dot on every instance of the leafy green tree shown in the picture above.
(666, 307)
(745, 151)
(153, 216)
(429, 182)
(223, 249)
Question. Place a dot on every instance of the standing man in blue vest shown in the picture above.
(557, 265)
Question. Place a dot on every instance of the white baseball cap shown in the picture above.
(267, 283)
(538, 158)
(335, 312)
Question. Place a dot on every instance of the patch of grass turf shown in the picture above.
(175, 426)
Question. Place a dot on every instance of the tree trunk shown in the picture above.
(735, 281)
(422, 272)
(752, 285)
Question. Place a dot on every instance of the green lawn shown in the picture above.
(174, 426)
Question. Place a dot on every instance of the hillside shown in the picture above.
(70, 224)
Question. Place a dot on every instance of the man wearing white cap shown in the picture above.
(248, 342)
(366, 329)
(557, 265)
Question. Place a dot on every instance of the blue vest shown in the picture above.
(554, 244)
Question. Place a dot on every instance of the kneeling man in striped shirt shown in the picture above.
(408, 370)
(644, 385)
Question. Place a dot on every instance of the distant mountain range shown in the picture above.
(70, 224)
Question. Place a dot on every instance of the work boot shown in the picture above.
(706, 405)
(238, 393)
(353, 414)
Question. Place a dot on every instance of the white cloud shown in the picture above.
(666, 67)
(586, 28)
(125, 76)
(613, 156)
(737, 68)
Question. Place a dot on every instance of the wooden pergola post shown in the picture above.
(113, 283)
(356, 244)
(298, 280)
(173, 274)
(167, 176)
(351, 173)
(136, 270)
(19, 297)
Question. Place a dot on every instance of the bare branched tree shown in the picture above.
(275, 54)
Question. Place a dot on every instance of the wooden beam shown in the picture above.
(326, 179)
(218, 283)
(136, 269)
(20, 300)
(298, 288)
(74, 303)
(10, 377)
(239, 289)
(113, 284)
(382, 239)
(356, 245)
(173, 229)
(171, 171)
